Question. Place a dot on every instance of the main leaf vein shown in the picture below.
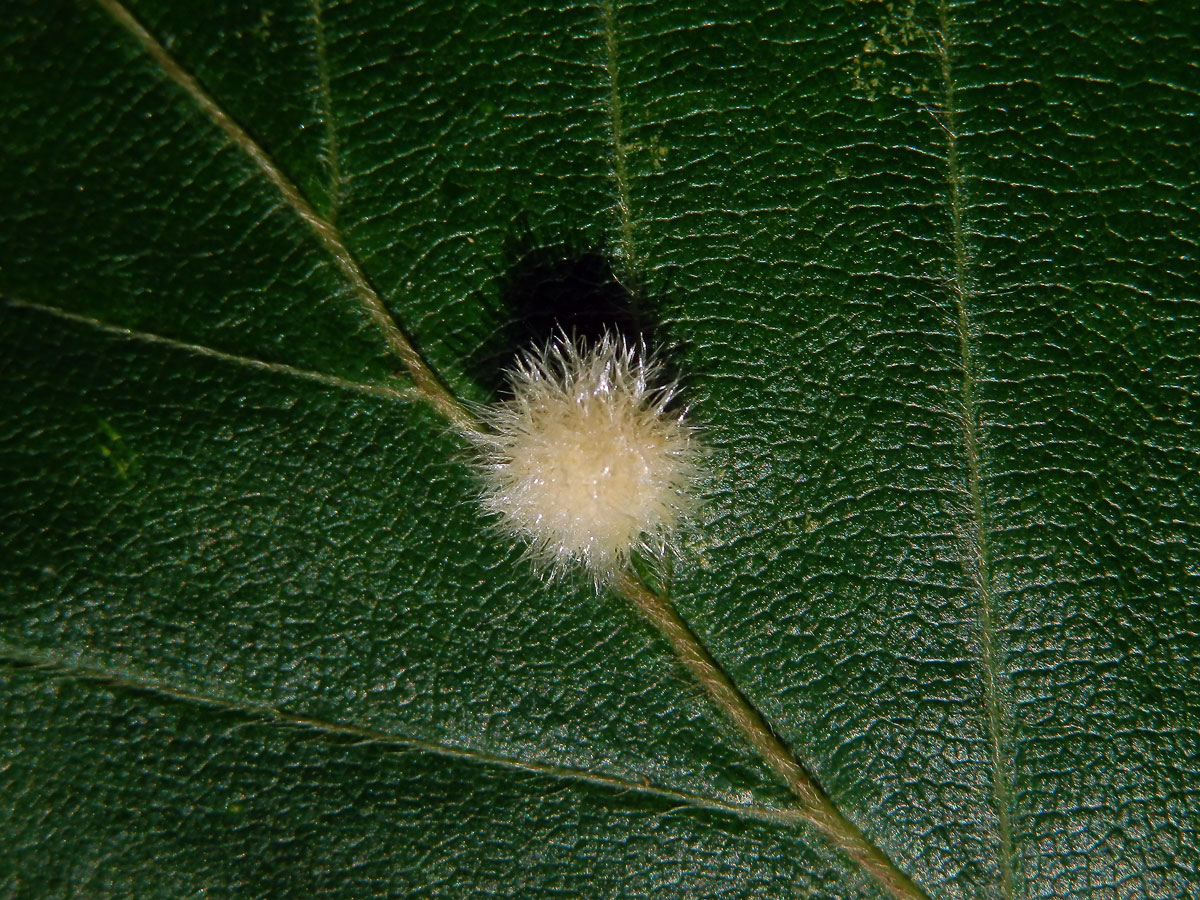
(426, 380)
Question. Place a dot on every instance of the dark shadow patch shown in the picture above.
(555, 290)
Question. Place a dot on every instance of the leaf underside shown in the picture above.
(928, 273)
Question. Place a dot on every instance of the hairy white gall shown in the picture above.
(588, 462)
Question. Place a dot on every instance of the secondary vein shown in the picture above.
(425, 378)
(608, 15)
(978, 552)
(391, 392)
(13, 661)
(331, 149)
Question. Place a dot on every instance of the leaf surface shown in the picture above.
(928, 274)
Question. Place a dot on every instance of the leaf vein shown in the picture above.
(391, 392)
(426, 380)
(977, 560)
(12, 660)
(331, 151)
(608, 16)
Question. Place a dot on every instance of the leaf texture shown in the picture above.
(928, 272)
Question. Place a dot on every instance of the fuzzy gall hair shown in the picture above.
(585, 462)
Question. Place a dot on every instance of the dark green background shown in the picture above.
(928, 272)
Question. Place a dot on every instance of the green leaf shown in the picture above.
(928, 274)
